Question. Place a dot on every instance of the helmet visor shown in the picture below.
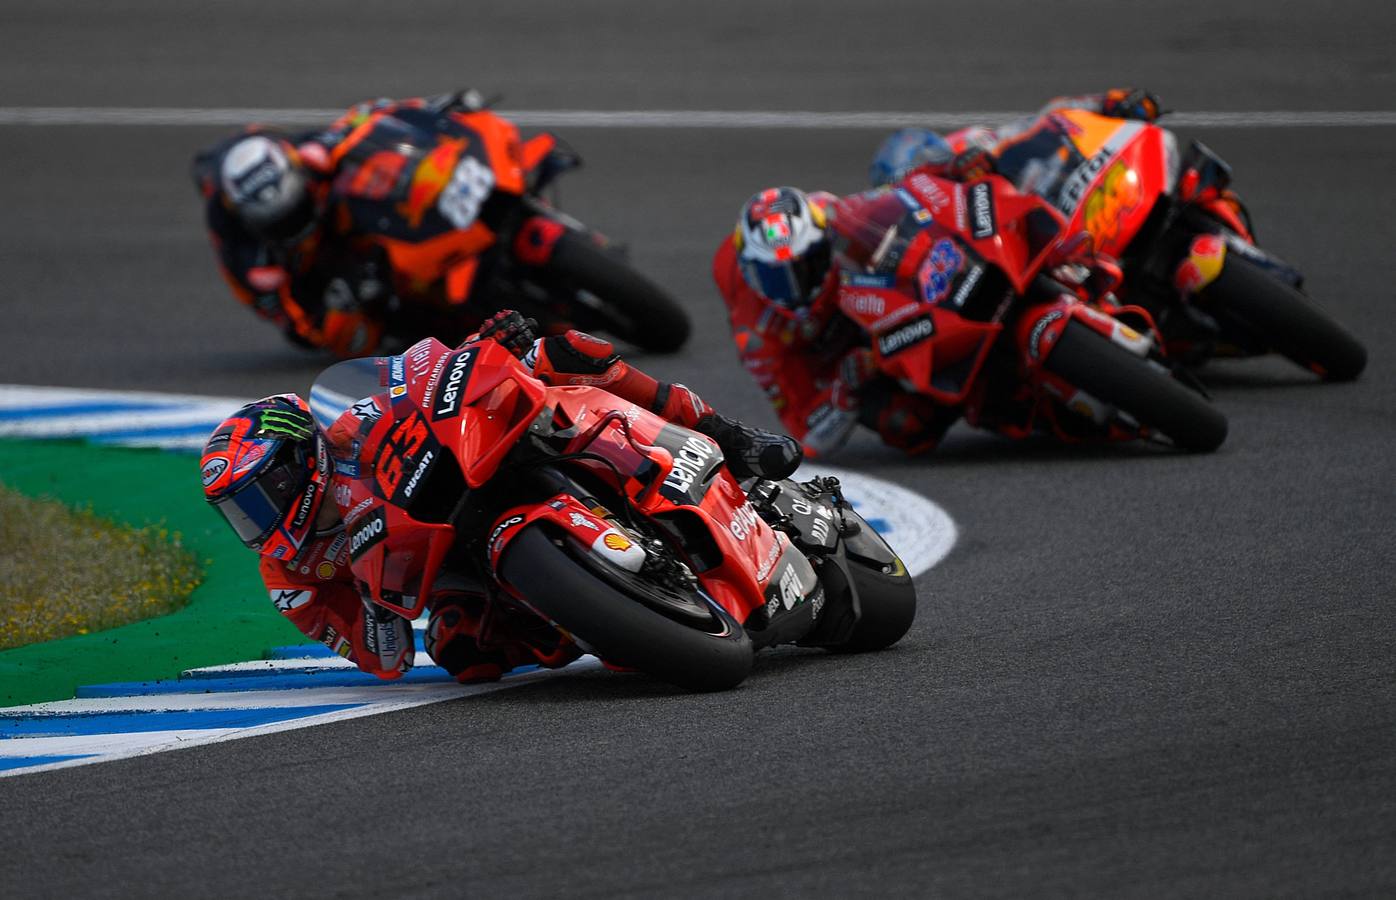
(293, 225)
(791, 283)
(261, 506)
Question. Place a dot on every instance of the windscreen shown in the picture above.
(871, 228)
(342, 385)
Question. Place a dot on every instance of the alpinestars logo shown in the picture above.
(288, 600)
(910, 334)
(981, 205)
(447, 402)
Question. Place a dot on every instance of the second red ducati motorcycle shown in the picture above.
(996, 309)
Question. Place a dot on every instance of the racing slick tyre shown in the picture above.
(602, 610)
(1151, 396)
(629, 305)
(1284, 319)
(887, 604)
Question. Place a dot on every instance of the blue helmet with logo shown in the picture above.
(903, 151)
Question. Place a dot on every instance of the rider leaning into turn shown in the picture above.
(267, 469)
(783, 283)
(267, 207)
(974, 151)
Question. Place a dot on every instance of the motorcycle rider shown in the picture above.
(978, 150)
(267, 197)
(268, 471)
(782, 286)
(782, 283)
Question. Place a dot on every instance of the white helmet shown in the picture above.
(782, 247)
(265, 183)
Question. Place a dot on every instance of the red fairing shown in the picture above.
(468, 408)
(536, 240)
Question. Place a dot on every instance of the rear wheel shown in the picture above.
(605, 611)
(1283, 319)
(1148, 394)
(629, 305)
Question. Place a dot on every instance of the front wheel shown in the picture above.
(1284, 319)
(628, 304)
(1153, 398)
(887, 606)
(602, 610)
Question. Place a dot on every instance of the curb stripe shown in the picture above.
(30, 725)
(8, 763)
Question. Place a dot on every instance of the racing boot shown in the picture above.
(752, 452)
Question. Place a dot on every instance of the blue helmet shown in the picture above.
(903, 151)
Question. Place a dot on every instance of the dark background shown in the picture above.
(1138, 674)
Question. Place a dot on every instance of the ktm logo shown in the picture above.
(431, 176)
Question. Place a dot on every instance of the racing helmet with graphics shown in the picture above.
(267, 469)
(782, 245)
(266, 185)
(904, 150)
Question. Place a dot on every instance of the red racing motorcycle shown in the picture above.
(1184, 239)
(623, 531)
(977, 298)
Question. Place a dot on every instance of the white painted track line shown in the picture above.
(677, 118)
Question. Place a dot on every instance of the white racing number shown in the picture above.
(470, 184)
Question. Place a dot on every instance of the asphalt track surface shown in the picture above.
(1139, 674)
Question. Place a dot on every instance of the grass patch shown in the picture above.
(66, 572)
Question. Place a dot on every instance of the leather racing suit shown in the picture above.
(319, 290)
(467, 634)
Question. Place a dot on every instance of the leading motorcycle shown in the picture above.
(623, 531)
(1184, 238)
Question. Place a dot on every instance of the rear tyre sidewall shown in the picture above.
(618, 627)
(1095, 364)
(634, 308)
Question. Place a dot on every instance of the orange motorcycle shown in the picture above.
(452, 200)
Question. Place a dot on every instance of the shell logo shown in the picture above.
(614, 541)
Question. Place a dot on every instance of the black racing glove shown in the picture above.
(971, 164)
(358, 286)
(508, 328)
(1131, 103)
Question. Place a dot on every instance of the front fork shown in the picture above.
(1037, 334)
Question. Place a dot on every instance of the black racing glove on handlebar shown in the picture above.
(1131, 103)
(510, 329)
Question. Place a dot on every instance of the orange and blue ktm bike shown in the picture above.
(453, 200)
(621, 530)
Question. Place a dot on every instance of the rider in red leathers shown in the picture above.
(784, 286)
(268, 470)
(783, 296)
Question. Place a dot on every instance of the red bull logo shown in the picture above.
(432, 174)
(1203, 265)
